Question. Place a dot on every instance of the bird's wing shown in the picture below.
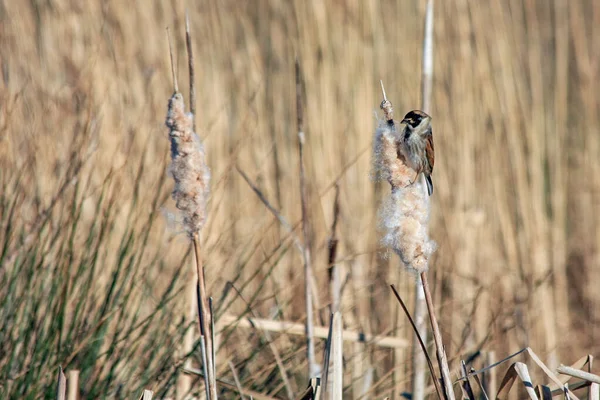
(430, 151)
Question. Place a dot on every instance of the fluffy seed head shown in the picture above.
(188, 166)
(404, 215)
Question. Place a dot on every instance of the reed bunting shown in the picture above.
(417, 145)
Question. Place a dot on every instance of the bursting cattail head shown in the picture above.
(188, 166)
(404, 215)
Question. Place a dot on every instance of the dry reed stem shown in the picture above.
(205, 374)
(236, 379)
(418, 358)
(172, 58)
(577, 373)
(297, 329)
(204, 319)
(61, 387)
(327, 359)
(338, 357)
(436, 384)
(310, 345)
(334, 273)
(73, 385)
(437, 338)
(594, 391)
(146, 395)
(467, 390)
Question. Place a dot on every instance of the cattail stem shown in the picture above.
(418, 357)
(205, 318)
(172, 59)
(192, 177)
(437, 338)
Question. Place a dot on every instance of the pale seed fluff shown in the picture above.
(188, 166)
(404, 214)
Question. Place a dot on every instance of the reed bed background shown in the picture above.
(93, 259)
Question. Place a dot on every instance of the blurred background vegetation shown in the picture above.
(93, 263)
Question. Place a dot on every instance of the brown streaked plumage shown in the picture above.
(417, 145)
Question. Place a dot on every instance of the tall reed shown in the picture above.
(192, 177)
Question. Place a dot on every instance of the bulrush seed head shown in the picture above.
(404, 215)
(188, 166)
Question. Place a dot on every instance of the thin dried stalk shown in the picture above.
(204, 319)
(310, 344)
(205, 367)
(334, 274)
(236, 380)
(467, 390)
(438, 389)
(212, 332)
(327, 359)
(292, 328)
(172, 58)
(437, 338)
(427, 60)
(418, 358)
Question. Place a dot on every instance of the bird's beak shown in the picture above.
(404, 121)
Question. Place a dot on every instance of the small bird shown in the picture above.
(417, 145)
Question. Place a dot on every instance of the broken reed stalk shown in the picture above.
(419, 311)
(61, 387)
(338, 357)
(310, 347)
(192, 176)
(73, 385)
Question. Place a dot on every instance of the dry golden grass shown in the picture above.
(516, 116)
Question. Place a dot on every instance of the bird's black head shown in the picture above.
(414, 118)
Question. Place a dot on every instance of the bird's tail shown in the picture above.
(429, 184)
